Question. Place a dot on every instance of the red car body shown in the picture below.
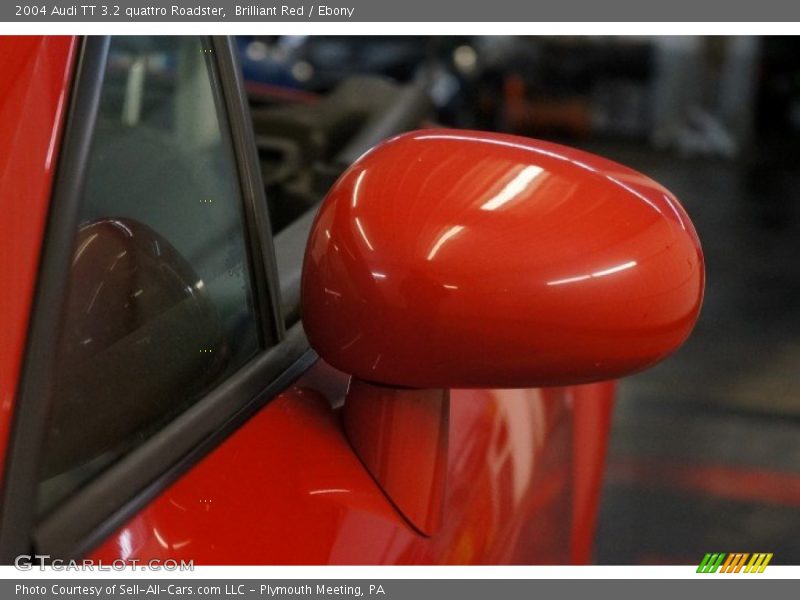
(523, 466)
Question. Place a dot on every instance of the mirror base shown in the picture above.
(401, 437)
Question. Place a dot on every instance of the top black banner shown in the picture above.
(469, 11)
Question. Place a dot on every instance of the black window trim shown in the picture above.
(264, 268)
(87, 517)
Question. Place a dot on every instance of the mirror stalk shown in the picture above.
(401, 437)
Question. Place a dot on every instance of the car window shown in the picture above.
(160, 305)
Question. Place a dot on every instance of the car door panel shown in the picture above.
(287, 488)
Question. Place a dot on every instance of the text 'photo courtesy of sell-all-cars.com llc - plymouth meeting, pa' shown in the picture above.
(417, 369)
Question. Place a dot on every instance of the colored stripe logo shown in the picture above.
(736, 562)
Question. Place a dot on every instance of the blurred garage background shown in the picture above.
(705, 448)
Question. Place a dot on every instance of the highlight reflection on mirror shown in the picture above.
(610, 271)
(514, 188)
(450, 233)
(613, 177)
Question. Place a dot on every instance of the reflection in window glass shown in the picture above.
(160, 306)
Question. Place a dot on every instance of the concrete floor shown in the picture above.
(705, 448)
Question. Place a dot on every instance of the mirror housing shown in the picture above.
(449, 258)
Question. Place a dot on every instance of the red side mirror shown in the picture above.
(447, 258)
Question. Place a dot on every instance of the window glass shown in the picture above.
(160, 304)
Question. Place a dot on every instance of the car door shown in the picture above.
(179, 414)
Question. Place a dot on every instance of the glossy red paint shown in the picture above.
(400, 435)
(446, 258)
(591, 426)
(34, 83)
(287, 488)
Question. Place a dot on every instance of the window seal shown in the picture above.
(264, 270)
